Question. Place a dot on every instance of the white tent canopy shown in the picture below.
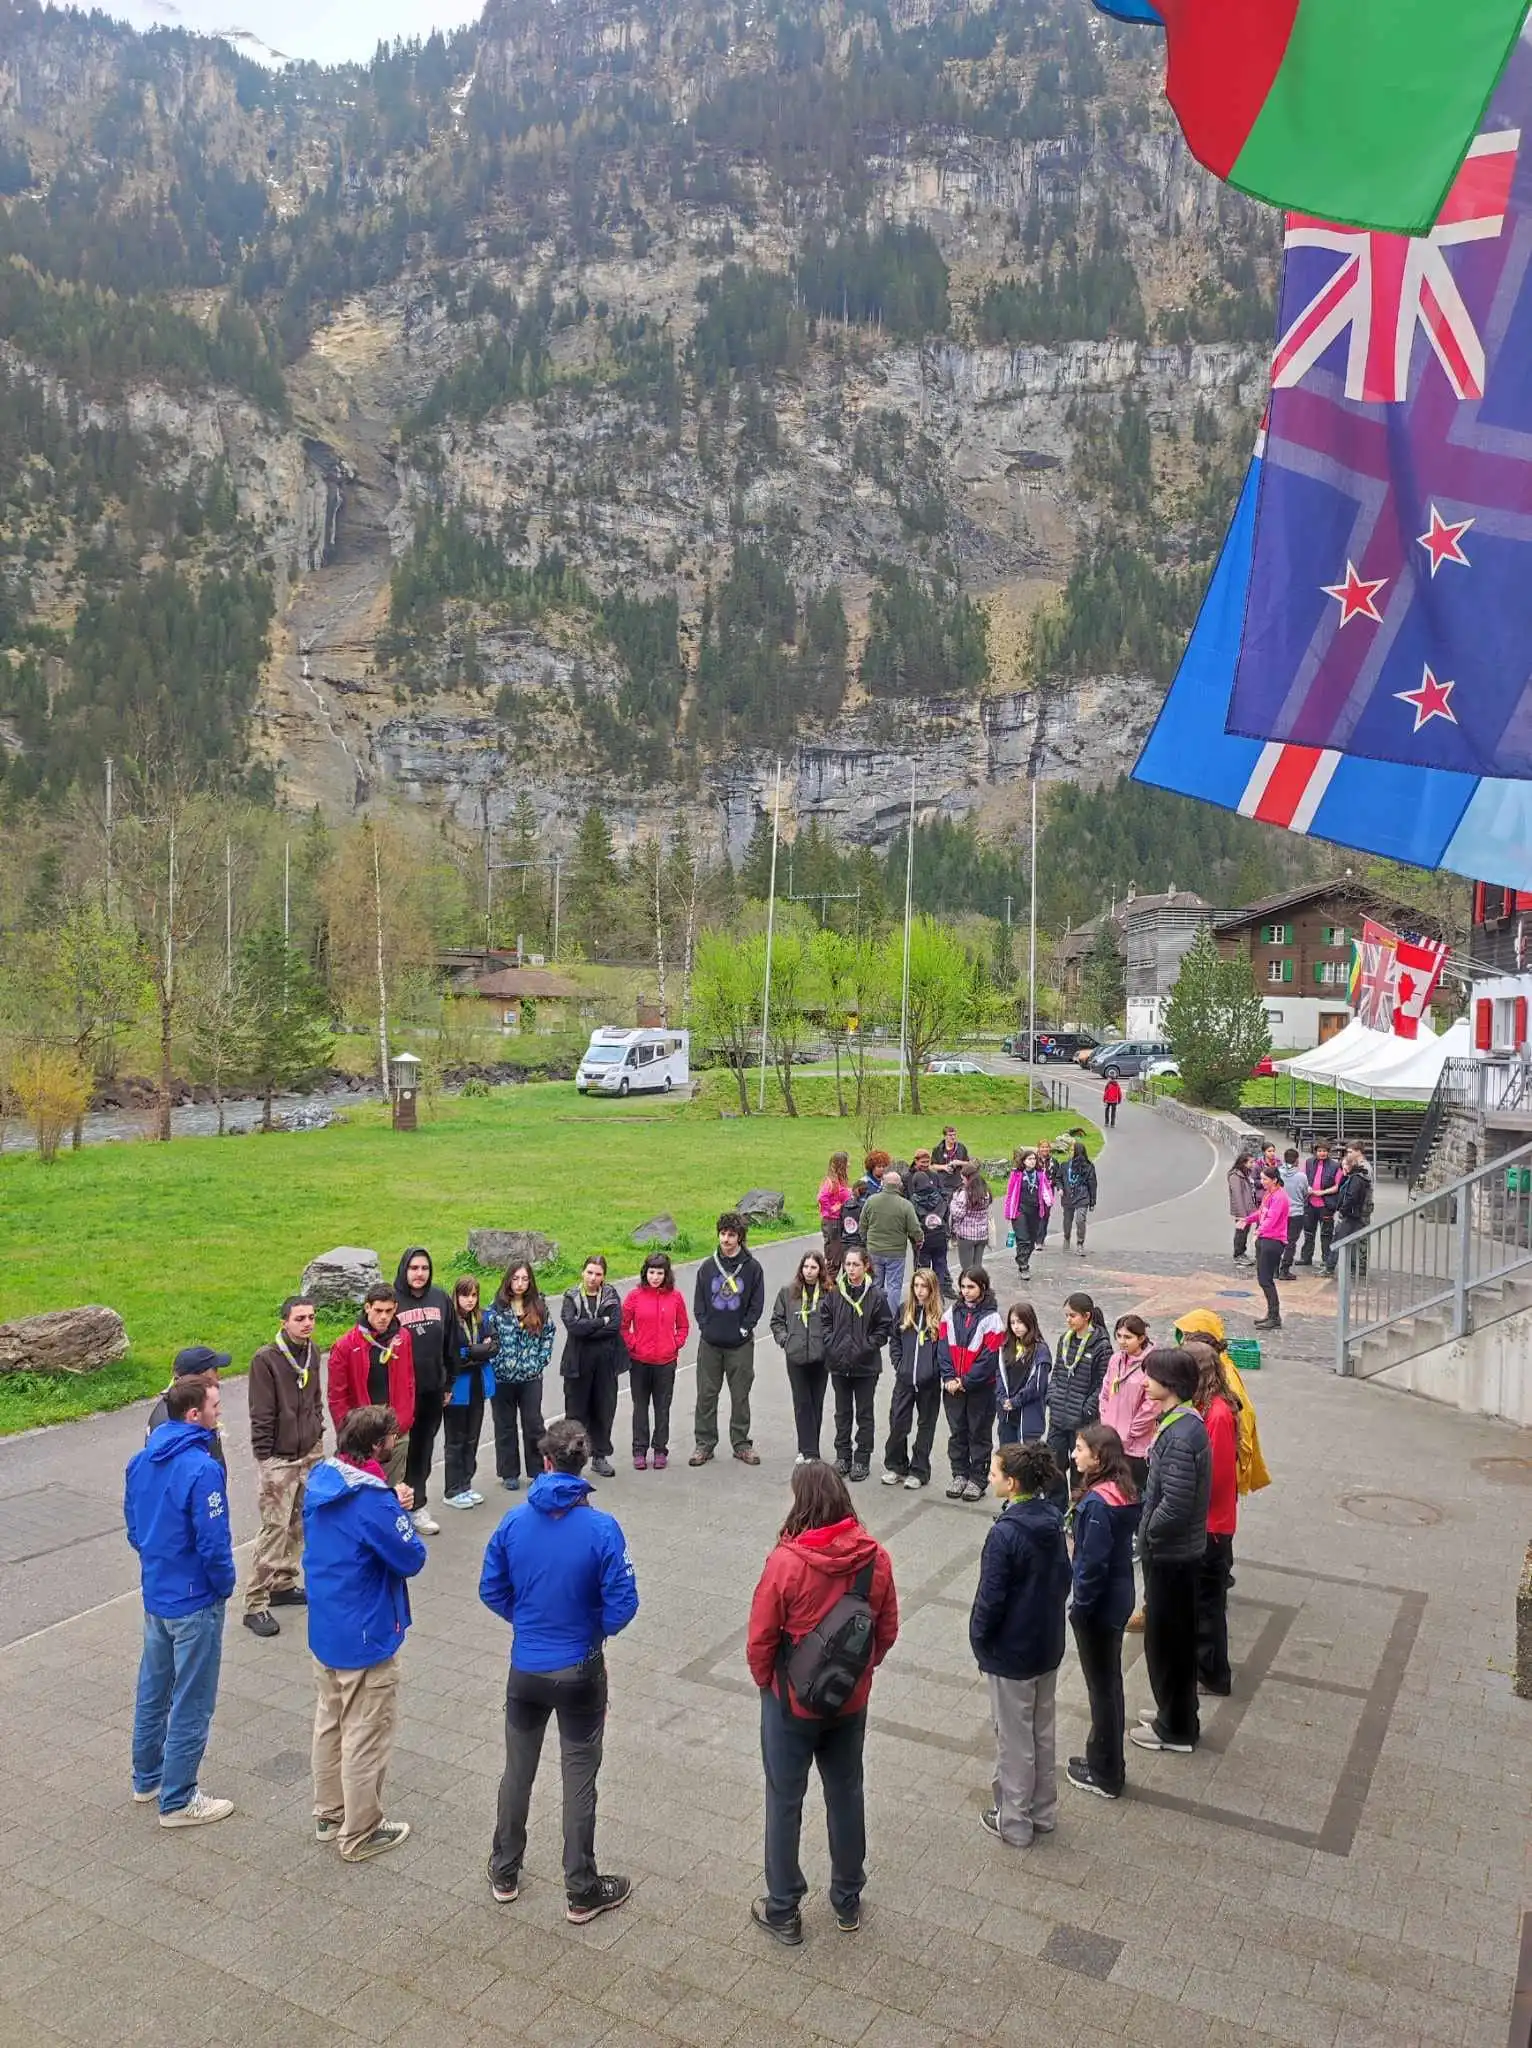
(1350, 1051)
(1410, 1069)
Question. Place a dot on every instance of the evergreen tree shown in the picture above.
(1216, 1023)
(1103, 978)
(591, 896)
(286, 1016)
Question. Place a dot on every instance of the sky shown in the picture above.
(325, 31)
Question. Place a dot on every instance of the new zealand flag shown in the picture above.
(1389, 612)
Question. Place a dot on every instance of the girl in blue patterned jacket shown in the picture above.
(522, 1328)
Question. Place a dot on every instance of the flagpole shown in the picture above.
(904, 993)
(771, 920)
(1032, 950)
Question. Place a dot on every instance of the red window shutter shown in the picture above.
(1483, 1024)
(1521, 1020)
(1478, 902)
(1524, 899)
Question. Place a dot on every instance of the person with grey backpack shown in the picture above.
(824, 1617)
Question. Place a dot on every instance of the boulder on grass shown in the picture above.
(767, 1205)
(658, 1230)
(344, 1274)
(492, 1248)
(63, 1340)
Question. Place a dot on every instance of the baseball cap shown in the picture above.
(198, 1358)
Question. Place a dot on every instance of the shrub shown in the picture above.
(53, 1089)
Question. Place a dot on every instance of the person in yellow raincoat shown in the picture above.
(1251, 1473)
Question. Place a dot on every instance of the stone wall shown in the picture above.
(1488, 1372)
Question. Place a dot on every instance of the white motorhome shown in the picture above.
(618, 1062)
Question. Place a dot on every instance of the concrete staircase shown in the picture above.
(1423, 1330)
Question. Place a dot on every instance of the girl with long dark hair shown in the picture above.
(798, 1326)
(522, 1328)
(835, 1192)
(916, 1352)
(654, 1326)
(1022, 1369)
(591, 1313)
(1105, 1520)
(970, 1216)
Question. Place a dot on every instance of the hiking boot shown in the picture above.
(290, 1596)
(263, 1623)
(956, 1490)
(860, 1469)
(602, 1467)
(700, 1457)
(1084, 1779)
(388, 1834)
(198, 1812)
(325, 1830)
(973, 1490)
(747, 1454)
(843, 1467)
(788, 1929)
(607, 1894)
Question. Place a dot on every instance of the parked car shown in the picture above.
(1125, 1062)
(1056, 1045)
(1158, 1070)
(1092, 1061)
(953, 1067)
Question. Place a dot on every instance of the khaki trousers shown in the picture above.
(279, 1540)
(353, 1740)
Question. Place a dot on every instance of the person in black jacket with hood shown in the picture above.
(798, 1325)
(858, 1323)
(1172, 1539)
(917, 1357)
(426, 1312)
(1080, 1360)
(1016, 1631)
(591, 1313)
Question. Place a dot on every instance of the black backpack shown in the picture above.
(825, 1667)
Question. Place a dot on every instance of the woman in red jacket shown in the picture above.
(373, 1366)
(654, 1327)
(1216, 1404)
(822, 1549)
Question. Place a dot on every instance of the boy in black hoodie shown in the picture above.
(426, 1312)
(729, 1301)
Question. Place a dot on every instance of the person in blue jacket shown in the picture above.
(557, 1569)
(1016, 1631)
(175, 1504)
(360, 1547)
(1022, 1367)
(1105, 1521)
(472, 1365)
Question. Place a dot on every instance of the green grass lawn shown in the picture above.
(198, 1241)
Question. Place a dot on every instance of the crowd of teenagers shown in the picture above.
(1110, 1458)
(1293, 1206)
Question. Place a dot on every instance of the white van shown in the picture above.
(618, 1062)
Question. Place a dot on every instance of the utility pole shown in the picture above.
(377, 909)
(1032, 947)
(110, 767)
(771, 920)
(558, 869)
(909, 892)
(228, 913)
(287, 892)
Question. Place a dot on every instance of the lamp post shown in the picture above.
(404, 1089)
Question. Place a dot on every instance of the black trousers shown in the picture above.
(1214, 1577)
(517, 1402)
(1062, 1442)
(1294, 1234)
(1320, 1225)
(1029, 1232)
(648, 1383)
(1241, 1239)
(1269, 1254)
(917, 1407)
(1101, 1667)
(1108, 1114)
(1346, 1226)
(808, 1383)
(854, 1398)
(590, 1397)
(462, 1426)
(423, 1434)
(1170, 1645)
(970, 1430)
(577, 1696)
(790, 1745)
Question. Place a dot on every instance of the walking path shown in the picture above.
(1342, 1863)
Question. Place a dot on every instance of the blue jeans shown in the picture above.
(177, 1691)
(790, 1746)
(889, 1275)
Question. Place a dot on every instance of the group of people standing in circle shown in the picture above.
(1291, 1207)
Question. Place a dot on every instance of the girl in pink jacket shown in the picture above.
(1028, 1198)
(1125, 1403)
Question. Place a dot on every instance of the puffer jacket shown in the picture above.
(1174, 1526)
(798, 1325)
(1079, 1367)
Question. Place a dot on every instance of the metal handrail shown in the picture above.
(1444, 1253)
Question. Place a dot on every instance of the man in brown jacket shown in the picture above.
(287, 1437)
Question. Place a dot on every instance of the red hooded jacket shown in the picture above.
(654, 1324)
(803, 1579)
(348, 1377)
(1223, 1438)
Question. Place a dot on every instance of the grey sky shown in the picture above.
(327, 31)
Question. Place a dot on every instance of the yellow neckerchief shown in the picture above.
(807, 1304)
(385, 1354)
(301, 1370)
(1025, 1358)
(843, 1290)
(730, 1280)
(1174, 1414)
(1135, 1362)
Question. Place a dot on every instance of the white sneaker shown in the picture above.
(458, 1500)
(890, 1478)
(913, 1484)
(801, 1459)
(423, 1522)
(475, 1498)
(150, 1798)
(198, 1812)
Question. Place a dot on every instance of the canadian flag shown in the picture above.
(1418, 970)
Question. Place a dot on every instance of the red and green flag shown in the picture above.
(1354, 111)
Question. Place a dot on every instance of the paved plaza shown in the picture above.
(1344, 1862)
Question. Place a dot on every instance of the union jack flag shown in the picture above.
(1389, 286)
(1377, 956)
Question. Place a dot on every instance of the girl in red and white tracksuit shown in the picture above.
(972, 1332)
(654, 1327)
